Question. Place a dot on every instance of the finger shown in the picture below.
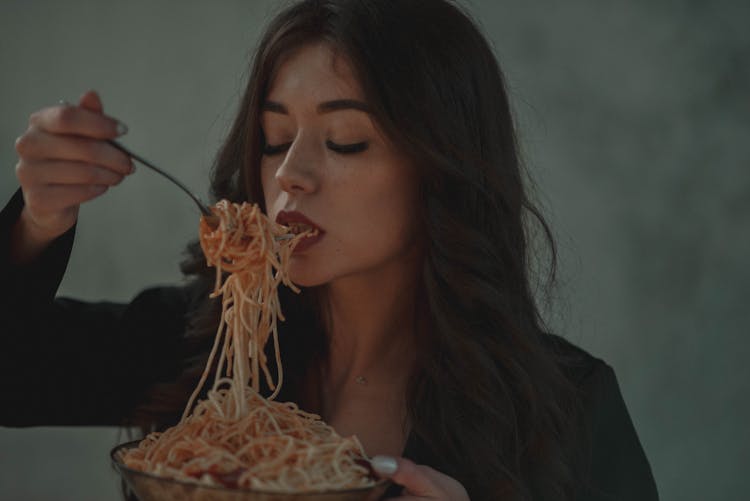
(415, 479)
(76, 120)
(40, 145)
(51, 199)
(91, 101)
(65, 172)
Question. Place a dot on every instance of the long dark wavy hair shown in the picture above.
(487, 399)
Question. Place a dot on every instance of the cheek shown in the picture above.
(270, 187)
(396, 219)
(384, 216)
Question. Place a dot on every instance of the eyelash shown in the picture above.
(343, 149)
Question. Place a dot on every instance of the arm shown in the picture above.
(35, 280)
(65, 362)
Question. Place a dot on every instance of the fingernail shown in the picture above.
(132, 167)
(121, 128)
(384, 465)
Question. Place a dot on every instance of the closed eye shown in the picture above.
(347, 148)
(270, 149)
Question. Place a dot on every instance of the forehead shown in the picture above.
(314, 73)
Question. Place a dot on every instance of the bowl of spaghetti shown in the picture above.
(151, 487)
(234, 443)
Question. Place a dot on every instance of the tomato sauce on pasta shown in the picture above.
(235, 437)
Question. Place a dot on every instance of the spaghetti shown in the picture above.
(235, 437)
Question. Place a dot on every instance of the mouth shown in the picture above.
(299, 224)
(299, 228)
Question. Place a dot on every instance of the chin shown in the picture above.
(303, 274)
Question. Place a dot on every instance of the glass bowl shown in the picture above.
(149, 487)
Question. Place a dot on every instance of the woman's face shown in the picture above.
(325, 159)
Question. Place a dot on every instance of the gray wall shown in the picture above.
(635, 120)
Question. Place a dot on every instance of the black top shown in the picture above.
(67, 362)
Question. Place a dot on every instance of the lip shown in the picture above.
(288, 217)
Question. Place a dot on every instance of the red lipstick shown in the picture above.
(294, 218)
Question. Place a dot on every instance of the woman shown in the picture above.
(386, 125)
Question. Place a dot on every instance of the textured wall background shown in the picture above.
(635, 119)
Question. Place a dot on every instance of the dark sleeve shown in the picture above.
(67, 362)
(618, 469)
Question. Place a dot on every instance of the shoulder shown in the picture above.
(616, 465)
(594, 379)
(578, 365)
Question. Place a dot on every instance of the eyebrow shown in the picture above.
(325, 107)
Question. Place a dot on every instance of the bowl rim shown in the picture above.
(120, 467)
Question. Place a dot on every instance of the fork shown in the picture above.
(210, 216)
(204, 210)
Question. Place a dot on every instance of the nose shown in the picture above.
(297, 173)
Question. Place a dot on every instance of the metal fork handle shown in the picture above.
(204, 210)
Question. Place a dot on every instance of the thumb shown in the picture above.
(91, 101)
(415, 479)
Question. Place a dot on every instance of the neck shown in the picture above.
(372, 325)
